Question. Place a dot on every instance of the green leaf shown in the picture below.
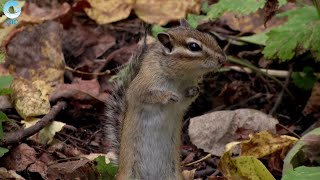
(259, 39)
(2, 56)
(156, 29)
(5, 81)
(3, 117)
(304, 80)
(194, 20)
(2, 2)
(243, 7)
(107, 171)
(301, 31)
(295, 156)
(303, 172)
(3, 151)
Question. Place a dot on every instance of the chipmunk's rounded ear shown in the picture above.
(184, 23)
(165, 40)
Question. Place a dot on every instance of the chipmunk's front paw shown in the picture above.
(192, 91)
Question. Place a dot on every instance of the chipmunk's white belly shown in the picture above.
(160, 139)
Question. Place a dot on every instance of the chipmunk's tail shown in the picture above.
(116, 105)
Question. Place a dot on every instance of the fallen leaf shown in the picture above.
(35, 14)
(188, 175)
(211, 132)
(30, 99)
(104, 12)
(39, 168)
(265, 143)
(45, 135)
(80, 169)
(242, 167)
(20, 158)
(153, 12)
(162, 11)
(5, 174)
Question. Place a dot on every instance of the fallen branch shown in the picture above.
(17, 136)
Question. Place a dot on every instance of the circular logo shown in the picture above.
(16, 8)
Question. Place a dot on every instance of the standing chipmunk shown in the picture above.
(146, 110)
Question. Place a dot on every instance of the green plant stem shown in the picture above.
(252, 67)
(316, 3)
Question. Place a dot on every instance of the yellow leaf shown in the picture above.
(162, 11)
(30, 98)
(265, 143)
(243, 167)
(107, 11)
(152, 11)
(45, 135)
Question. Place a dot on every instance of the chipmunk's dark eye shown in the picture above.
(194, 46)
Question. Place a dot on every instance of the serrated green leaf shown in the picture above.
(259, 39)
(303, 172)
(304, 80)
(3, 151)
(243, 7)
(3, 117)
(5, 81)
(107, 171)
(301, 31)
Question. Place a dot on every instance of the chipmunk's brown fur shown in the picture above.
(145, 112)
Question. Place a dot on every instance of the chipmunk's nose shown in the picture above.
(222, 58)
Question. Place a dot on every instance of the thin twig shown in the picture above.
(87, 73)
(279, 99)
(252, 67)
(17, 136)
(289, 130)
(200, 160)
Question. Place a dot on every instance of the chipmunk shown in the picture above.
(144, 114)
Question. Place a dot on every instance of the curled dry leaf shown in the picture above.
(5, 174)
(45, 136)
(211, 132)
(153, 12)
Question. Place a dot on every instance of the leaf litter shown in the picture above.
(70, 34)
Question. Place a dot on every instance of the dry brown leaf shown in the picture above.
(80, 169)
(254, 22)
(104, 12)
(211, 132)
(20, 157)
(313, 104)
(35, 14)
(162, 11)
